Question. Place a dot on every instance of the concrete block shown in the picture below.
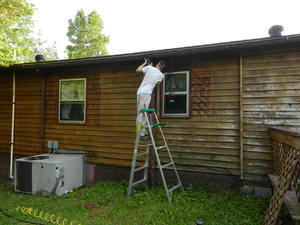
(263, 192)
(90, 173)
(247, 189)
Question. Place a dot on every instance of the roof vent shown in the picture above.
(275, 31)
(40, 58)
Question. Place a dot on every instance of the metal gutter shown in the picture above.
(239, 46)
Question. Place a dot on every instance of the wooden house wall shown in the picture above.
(208, 141)
(27, 112)
(109, 132)
(5, 112)
(271, 97)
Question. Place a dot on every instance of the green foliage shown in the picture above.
(72, 90)
(84, 33)
(17, 42)
(106, 204)
(15, 29)
(42, 48)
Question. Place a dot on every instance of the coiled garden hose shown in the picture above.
(46, 216)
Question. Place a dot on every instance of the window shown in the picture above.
(72, 100)
(176, 94)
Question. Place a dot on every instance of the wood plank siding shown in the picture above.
(5, 112)
(223, 111)
(208, 141)
(271, 97)
(109, 132)
(27, 113)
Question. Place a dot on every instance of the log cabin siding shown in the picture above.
(27, 112)
(208, 141)
(5, 114)
(271, 97)
(109, 132)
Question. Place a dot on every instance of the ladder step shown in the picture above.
(173, 188)
(160, 147)
(159, 124)
(166, 165)
(138, 182)
(140, 168)
(142, 154)
(147, 110)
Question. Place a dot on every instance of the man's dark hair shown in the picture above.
(162, 65)
(149, 62)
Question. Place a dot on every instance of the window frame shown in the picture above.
(84, 102)
(187, 92)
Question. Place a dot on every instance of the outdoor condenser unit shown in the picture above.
(49, 173)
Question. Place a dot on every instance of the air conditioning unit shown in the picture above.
(49, 173)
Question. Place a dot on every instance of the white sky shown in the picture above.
(142, 25)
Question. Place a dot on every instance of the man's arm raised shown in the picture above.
(140, 68)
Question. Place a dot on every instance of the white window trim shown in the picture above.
(84, 112)
(187, 92)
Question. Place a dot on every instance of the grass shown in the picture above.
(105, 203)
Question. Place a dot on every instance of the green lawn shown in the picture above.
(105, 203)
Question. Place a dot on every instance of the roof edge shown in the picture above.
(206, 48)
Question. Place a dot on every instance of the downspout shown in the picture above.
(42, 121)
(241, 120)
(12, 126)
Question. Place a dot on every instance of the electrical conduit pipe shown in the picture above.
(12, 126)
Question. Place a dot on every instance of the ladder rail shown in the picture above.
(146, 154)
(172, 163)
(133, 163)
(133, 170)
(157, 156)
(169, 153)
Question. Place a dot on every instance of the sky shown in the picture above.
(145, 25)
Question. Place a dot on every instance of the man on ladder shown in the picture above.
(153, 75)
(144, 128)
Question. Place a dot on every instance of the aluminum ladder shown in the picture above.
(146, 154)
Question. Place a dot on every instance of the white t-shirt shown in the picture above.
(151, 78)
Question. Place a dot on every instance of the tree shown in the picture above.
(17, 41)
(42, 48)
(85, 34)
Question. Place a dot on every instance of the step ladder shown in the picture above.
(146, 154)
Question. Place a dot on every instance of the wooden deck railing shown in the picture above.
(283, 141)
(286, 177)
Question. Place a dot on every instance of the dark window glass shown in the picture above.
(72, 111)
(175, 103)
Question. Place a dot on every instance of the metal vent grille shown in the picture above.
(24, 176)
